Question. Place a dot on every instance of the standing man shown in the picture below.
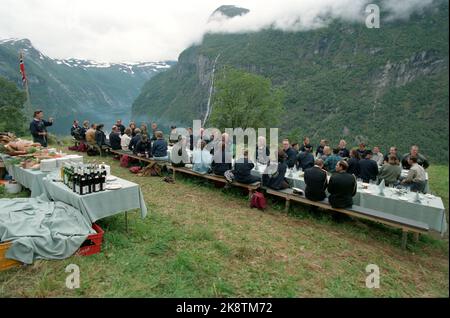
(343, 151)
(38, 128)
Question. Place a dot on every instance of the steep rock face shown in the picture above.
(386, 87)
(74, 88)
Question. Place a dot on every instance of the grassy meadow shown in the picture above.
(203, 241)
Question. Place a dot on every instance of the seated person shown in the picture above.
(377, 156)
(326, 153)
(353, 163)
(290, 153)
(390, 172)
(276, 180)
(125, 139)
(143, 147)
(84, 129)
(178, 155)
(368, 169)
(392, 152)
(305, 144)
(202, 158)
(319, 151)
(173, 137)
(316, 182)
(342, 187)
(305, 159)
(242, 170)
(90, 134)
(361, 149)
(114, 138)
(159, 147)
(331, 161)
(135, 139)
(414, 152)
(75, 130)
(100, 137)
(416, 177)
(262, 151)
(343, 151)
(222, 160)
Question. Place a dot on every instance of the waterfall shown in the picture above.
(208, 106)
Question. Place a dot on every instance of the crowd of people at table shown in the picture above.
(335, 170)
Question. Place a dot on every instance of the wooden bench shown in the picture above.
(150, 161)
(406, 225)
(250, 187)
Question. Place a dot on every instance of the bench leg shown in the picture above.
(404, 239)
(287, 205)
(173, 173)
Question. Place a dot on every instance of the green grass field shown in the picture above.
(202, 241)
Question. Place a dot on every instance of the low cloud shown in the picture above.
(152, 30)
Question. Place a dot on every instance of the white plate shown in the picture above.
(111, 178)
(113, 186)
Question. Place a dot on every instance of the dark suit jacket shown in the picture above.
(368, 170)
(305, 160)
(316, 183)
(114, 141)
(342, 188)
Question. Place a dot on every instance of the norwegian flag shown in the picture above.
(22, 70)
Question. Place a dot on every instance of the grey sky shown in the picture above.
(152, 30)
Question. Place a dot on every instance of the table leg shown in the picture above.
(404, 239)
(288, 204)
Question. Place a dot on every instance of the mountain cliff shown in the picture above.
(74, 88)
(386, 86)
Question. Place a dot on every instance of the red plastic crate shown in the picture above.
(93, 243)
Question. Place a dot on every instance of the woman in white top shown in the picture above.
(125, 139)
(202, 159)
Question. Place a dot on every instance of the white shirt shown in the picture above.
(125, 141)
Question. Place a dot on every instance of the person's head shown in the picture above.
(412, 160)
(159, 135)
(342, 165)
(342, 144)
(362, 146)
(354, 154)
(119, 122)
(144, 138)
(295, 146)
(327, 150)
(154, 126)
(335, 151)
(127, 131)
(143, 127)
(38, 114)
(367, 154)
(94, 126)
(137, 131)
(132, 125)
(85, 124)
(261, 141)
(75, 123)
(225, 138)
(323, 142)
(393, 150)
(281, 155)
(202, 144)
(393, 160)
(286, 144)
(414, 150)
(245, 153)
(190, 130)
(376, 149)
(100, 126)
(306, 141)
(319, 163)
(114, 129)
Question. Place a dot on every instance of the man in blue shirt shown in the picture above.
(331, 161)
(38, 128)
